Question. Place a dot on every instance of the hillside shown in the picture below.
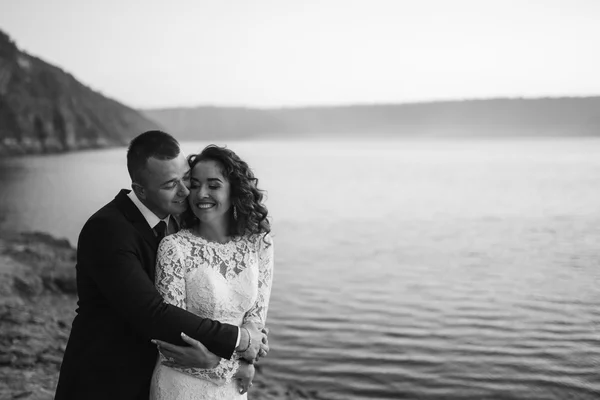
(568, 116)
(45, 109)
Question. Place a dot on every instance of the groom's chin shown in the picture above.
(179, 208)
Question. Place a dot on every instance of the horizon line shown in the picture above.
(364, 104)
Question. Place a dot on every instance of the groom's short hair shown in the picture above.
(157, 144)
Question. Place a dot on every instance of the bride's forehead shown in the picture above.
(208, 169)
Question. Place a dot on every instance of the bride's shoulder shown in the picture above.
(260, 240)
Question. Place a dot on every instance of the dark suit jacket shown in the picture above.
(109, 354)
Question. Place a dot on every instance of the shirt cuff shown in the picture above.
(237, 341)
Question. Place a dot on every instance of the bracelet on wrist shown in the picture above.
(249, 340)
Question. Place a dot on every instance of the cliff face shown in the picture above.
(44, 109)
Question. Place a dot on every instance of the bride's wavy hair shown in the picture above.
(247, 199)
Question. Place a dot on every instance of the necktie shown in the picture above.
(161, 230)
(173, 225)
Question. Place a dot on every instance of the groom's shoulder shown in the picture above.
(110, 216)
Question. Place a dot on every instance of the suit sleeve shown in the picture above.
(107, 252)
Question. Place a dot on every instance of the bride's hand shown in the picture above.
(254, 342)
(244, 376)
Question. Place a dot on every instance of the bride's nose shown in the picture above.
(202, 192)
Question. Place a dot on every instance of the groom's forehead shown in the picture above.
(170, 168)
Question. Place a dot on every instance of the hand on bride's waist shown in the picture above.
(196, 355)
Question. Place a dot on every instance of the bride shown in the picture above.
(220, 266)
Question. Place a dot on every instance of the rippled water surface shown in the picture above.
(463, 269)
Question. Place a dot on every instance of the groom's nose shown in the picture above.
(183, 190)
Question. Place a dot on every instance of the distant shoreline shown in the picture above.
(356, 138)
(496, 117)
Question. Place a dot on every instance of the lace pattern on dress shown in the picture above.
(228, 282)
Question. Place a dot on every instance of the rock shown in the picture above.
(23, 395)
(28, 284)
(50, 358)
(34, 263)
(60, 280)
(7, 359)
(26, 361)
(53, 242)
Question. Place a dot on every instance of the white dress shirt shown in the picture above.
(149, 216)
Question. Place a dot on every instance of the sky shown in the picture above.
(272, 53)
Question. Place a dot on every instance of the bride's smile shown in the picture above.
(210, 193)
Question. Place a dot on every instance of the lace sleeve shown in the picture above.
(258, 312)
(170, 283)
(170, 273)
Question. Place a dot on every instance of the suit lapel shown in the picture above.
(131, 212)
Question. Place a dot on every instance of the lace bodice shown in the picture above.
(229, 282)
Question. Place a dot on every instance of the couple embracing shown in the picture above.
(173, 279)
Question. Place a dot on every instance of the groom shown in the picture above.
(109, 354)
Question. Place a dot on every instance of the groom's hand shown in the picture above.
(255, 345)
(194, 356)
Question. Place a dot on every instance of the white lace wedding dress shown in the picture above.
(229, 283)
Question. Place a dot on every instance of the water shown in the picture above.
(463, 269)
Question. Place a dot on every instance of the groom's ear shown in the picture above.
(138, 190)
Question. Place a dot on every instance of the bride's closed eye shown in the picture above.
(195, 185)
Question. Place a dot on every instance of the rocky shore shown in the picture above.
(37, 303)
